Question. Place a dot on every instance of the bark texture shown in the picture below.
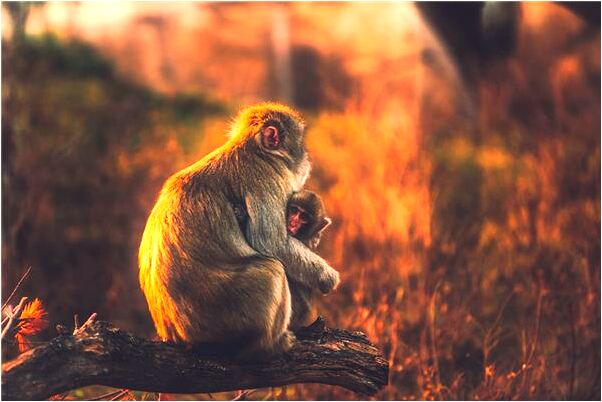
(99, 354)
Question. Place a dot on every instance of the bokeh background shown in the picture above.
(457, 148)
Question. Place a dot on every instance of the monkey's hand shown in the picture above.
(329, 280)
(308, 268)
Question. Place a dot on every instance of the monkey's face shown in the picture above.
(306, 217)
(276, 132)
(281, 136)
(305, 226)
(297, 220)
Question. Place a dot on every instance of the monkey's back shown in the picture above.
(181, 258)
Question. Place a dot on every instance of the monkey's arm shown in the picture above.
(266, 233)
(307, 267)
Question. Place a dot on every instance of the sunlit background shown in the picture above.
(457, 149)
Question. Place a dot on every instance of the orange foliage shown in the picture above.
(32, 321)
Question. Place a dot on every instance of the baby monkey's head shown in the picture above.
(306, 217)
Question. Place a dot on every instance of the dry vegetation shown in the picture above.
(468, 237)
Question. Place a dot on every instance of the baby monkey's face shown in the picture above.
(306, 217)
(296, 219)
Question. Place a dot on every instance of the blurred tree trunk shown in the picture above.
(281, 51)
(18, 11)
(18, 206)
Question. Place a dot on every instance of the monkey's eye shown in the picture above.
(304, 217)
(293, 209)
(271, 137)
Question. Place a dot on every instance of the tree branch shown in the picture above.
(99, 354)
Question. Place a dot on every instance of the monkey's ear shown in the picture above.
(323, 225)
(270, 138)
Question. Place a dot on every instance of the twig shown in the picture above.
(434, 346)
(244, 394)
(16, 287)
(537, 325)
(120, 394)
(106, 396)
(533, 346)
(487, 346)
(13, 314)
(86, 324)
(573, 350)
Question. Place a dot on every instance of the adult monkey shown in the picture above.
(206, 281)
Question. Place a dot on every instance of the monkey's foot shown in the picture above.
(285, 343)
(314, 331)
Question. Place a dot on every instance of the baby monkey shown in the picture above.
(306, 220)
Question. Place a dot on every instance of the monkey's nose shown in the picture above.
(294, 222)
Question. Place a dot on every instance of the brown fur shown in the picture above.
(203, 278)
(302, 297)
